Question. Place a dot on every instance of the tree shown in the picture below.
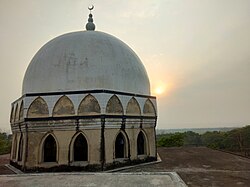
(171, 140)
(192, 139)
(5, 143)
(213, 139)
(239, 140)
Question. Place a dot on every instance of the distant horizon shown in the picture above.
(8, 131)
(199, 128)
(206, 127)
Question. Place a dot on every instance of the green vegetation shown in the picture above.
(5, 143)
(171, 140)
(178, 139)
(236, 140)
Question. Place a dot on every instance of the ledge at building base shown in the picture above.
(89, 168)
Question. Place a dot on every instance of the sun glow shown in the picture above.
(159, 90)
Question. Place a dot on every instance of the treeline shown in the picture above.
(5, 143)
(236, 140)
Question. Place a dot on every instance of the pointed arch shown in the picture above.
(38, 108)
(21, 111)
(89, 106)
(14, 147)
(114, 106)
(63, 107)
(12, 114)
(133, 107)
(141, 144)
(80, 149)
(16, 113)
(20, 148)
(49, 149)
(149, 108)
(121, 146)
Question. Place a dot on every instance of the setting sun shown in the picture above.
(159, 90)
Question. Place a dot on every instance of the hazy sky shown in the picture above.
(196, 52)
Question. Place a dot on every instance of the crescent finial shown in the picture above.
(90, 26)
(91, 7)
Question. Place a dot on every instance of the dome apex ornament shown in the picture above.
(90, 26)
(91, 7)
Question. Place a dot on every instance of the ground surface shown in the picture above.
(196, 166)
(202, 166)
(92, 180)
(4, 159)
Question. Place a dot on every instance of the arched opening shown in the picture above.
(141, 144)
(12, 114)
(38, 108)
(149, 108)
(120, 146)
(133, 107)
(63, 107)
(14, 147)
(49, 149)
(80, 148)
(89, 106)
(16, 113)
(114, 106)
(20, 149)
(21, 111)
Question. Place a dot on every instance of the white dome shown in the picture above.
(86, 60)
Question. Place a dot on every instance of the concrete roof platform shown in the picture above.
(143, 179)
(197, 166)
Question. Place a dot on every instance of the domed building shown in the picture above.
(85, 105)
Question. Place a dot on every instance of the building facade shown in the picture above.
(85, 105)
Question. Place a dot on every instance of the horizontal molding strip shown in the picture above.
(90, 117)
(86, 92)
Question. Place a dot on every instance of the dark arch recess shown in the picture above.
(49, 149)
(120, 146)
(141, 144)
(20, 149)
(80, 148)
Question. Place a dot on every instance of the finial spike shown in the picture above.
(90, 26)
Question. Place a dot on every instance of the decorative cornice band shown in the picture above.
(86, 92)
(89, 117)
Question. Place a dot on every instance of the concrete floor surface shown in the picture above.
(159, 179)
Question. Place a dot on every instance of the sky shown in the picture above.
(196, 52)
